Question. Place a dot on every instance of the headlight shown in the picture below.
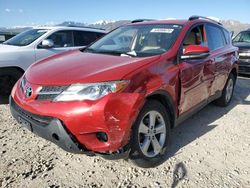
(91, 91)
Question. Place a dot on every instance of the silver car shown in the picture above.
(19, 52)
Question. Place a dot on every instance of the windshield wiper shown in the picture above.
(131, 54)
(112, 52)
(87, 50)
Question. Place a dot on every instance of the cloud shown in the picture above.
(20, 10)
(7, 10)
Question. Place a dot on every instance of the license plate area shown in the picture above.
(25, 123)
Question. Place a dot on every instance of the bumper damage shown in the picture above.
(53, 130)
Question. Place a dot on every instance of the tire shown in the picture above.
(149, 148)
(8, 78)
(227, 92)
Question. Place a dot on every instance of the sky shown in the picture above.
(48, 12)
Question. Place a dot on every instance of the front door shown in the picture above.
(63, 41)
(196, 75)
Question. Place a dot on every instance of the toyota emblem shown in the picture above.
(29, 92)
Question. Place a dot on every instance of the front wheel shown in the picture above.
(151, 135)
(227, 92)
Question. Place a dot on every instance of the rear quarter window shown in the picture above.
(227, 36)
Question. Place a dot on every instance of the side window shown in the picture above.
(62, 39)
(215, 37)
(227, 36)
(196, 37)
(84, 38)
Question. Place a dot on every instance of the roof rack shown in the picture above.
(88, 27)
(141, 20)
(203, 17)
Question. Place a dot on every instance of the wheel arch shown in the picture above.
(234, 72)
(13, 68)
(165, 98)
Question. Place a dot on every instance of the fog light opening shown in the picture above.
(55, 136)
(102, 136)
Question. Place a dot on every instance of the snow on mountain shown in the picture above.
(103, 22)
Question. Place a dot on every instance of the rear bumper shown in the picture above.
(49, 128)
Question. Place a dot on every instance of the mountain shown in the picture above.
(109, 25)
(235, 26)
(231, 25)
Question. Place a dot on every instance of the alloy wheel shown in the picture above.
(152, 134)
(229, 89)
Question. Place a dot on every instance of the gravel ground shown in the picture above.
(211, 149)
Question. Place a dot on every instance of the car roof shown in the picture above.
(173, 21)
(177, 21)
(71, 28)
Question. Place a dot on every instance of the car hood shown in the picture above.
(242, 45)
(79, 67)
(8, 48)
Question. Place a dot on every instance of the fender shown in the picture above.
(165, 98)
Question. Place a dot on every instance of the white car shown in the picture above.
(19, 52)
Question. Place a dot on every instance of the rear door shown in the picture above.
(196, 75)
(219, 55)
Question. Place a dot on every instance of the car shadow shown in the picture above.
(203, 122)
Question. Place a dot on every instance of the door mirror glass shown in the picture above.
(47, 43)
(195, 52)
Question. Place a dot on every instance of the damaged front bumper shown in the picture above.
(53, 129)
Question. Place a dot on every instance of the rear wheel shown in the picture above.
(8, 78)
(151, 135)
(227, 92)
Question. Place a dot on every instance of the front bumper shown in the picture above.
(53, 130)
(113, 114)
(49, 128)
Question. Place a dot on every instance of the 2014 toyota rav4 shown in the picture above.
(121, 96)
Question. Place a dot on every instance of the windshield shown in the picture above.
(242, 37)
(26, 38)
(137, 40)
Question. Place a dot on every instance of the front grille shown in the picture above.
(41, 120)
(50, 92)
(244, 56)
(53, 89)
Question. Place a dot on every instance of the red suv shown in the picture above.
(121, 96)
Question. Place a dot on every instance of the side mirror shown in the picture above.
(47, 43)
(195, 52)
